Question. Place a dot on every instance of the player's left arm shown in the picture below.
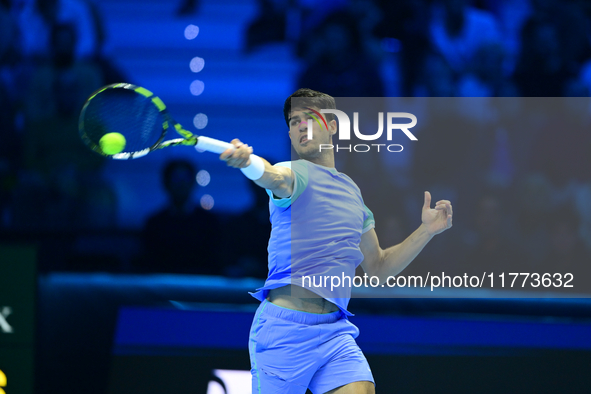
(391, 261)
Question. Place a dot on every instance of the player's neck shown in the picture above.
(325, 160)
(324, 163)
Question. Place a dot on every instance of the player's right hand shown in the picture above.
(239, 157)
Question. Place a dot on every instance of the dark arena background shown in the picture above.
(133, 276)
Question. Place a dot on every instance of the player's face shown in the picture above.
(298, 131)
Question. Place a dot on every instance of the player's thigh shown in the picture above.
(283, 353)
(354, 388)
(345, 362)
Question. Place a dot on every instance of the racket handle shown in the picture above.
(255, 169)
(212, 145)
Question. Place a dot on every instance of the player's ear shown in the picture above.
(332, 127)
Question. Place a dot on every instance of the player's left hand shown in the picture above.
(437, 219)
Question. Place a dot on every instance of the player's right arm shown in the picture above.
(277, 179)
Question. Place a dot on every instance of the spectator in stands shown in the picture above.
(453, 154)
(571, 19)
(10, 149)
(110, 71)
(566, 252)
(368, 16)
(269, 26)
(458, 30)
(9, 56)
(341, 66)
(493, 245)
(62, 187)
(533, 202)
(250, 234)
(435, 79)
(407, 21)
(181, 237)
(541, 69)
(485, 77)
(37, 18)
(511, 15)
(312, 13)
(561, 147)
(187, 7)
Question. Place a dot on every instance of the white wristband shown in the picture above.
(255, 169)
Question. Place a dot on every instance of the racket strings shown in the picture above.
(126, 112)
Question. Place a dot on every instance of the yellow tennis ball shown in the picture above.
(112, 143)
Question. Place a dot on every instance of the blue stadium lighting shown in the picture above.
(191, 32)
(197, 87)
(197, 64)
(207, 202)
(203, 178)
(200, 121)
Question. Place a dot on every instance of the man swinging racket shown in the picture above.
(301, 337)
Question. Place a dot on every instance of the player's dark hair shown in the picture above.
(312, 98)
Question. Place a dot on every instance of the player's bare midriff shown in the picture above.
(300, 299)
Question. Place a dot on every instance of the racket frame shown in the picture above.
(188, 138)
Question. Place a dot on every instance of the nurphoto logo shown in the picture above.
(344, 132)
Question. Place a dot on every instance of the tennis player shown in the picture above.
(301, 336)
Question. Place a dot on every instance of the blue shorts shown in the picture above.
(291, 351)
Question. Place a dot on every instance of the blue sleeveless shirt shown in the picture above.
(316, 232)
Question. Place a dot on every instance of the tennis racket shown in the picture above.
(142, 118)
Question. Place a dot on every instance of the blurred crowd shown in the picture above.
(50, 62)
(442, 48)
(522, 196)
(521, 186)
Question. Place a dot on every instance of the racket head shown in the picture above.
(130, 110)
